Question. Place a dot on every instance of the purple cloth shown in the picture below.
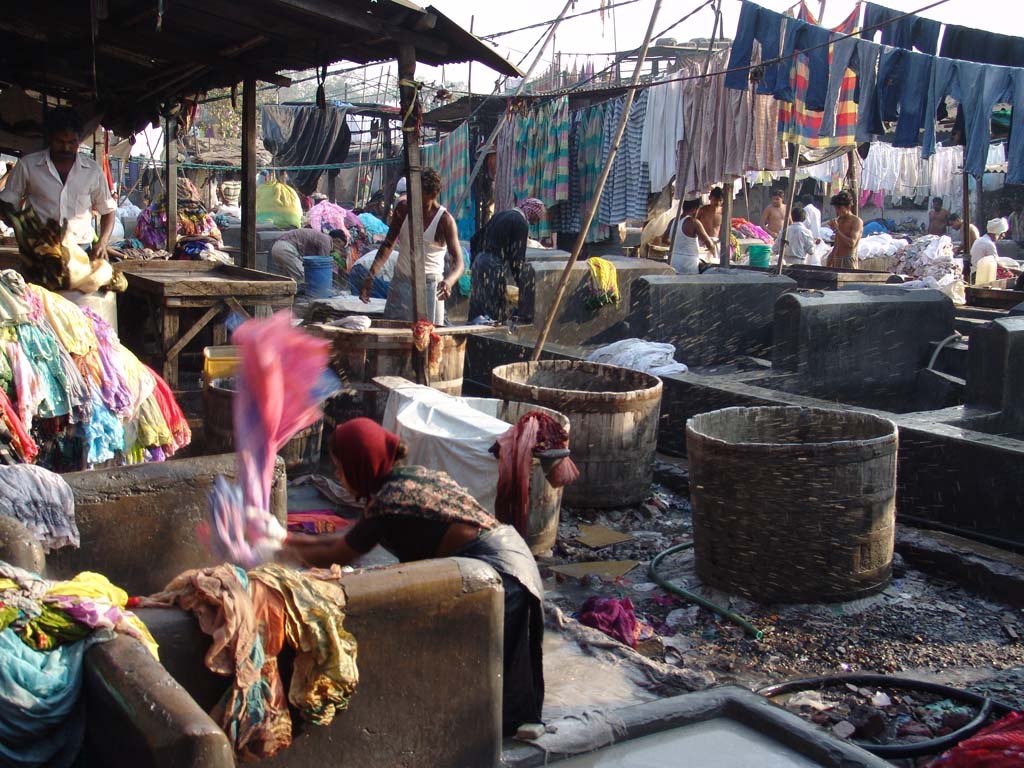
(114, 390)
(615, 618)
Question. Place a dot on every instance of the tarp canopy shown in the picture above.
(306, 135)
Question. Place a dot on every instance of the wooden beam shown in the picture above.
(414, 189)
(601, 181)
(171, 160)
(725, 233)
(249, 173)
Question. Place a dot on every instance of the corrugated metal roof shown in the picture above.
(142, 61)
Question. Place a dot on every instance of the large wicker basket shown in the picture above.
(793, 504)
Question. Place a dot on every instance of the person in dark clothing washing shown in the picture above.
(418, 514)
(499, 250)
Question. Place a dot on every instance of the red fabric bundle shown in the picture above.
(616, 618)
(23, 442)
(534, 432)
(1001, 745)
(423, 334)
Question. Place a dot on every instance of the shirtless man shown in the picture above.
(938, 218)
(710, 215)
(774, 217)
(848, 229)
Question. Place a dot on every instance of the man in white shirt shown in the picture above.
(799, 240)
(63, 185)
(986, 245)
(813, 216)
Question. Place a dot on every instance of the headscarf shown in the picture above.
(533, 209)
(998, 226)
(366, 452)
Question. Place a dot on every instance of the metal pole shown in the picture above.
(790, 194)
(485, 149)
(680, 183)
(171, 159)
(249, 173)
(592, 212)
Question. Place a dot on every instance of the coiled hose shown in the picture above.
(985, 705)
(725, 613)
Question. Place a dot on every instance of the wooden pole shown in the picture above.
(853, 174)
(681, 183)
(249, 173)
(725, 233)
(469, 74)
(790, 194)
(414, 189)
(965, 238)
(171, 159)
(485, 149)
(596, 200)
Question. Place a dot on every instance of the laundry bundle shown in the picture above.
(650, 357)
(931, 259)
(603, 287)
(879, 246)
(45, 629)
(70, 394)
(750, 231)
(250, 618)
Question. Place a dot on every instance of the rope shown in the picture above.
(324, 167)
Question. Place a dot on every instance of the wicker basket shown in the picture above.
(614, 416)
(793, 504)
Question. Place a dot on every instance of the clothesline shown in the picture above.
(323, 167)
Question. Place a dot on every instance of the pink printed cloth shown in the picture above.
(280, 390)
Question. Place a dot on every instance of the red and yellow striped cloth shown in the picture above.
(800, 125)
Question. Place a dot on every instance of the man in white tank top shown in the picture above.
(686, 254)
(440, 237)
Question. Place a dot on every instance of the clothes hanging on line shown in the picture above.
(977, 45)
(586, 141)
(909, 32)
(625, 192)
(451, 158)
(663, 130)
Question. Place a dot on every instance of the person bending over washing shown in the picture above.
(417, 514)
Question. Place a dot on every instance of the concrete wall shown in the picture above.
(430, 650)
(138, 715)
(995, 370)
(852, 345)
(710, 318)
(574, 323)
(138, 524)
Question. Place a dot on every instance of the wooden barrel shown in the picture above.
(302, 451)
(545, 499)
(386, 349)
(793, 504)
(614, 417)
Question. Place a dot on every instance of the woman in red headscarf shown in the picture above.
(417, 514)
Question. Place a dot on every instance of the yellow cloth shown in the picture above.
(325, 674)
(140, 382)
(152, 426)
(604, 276)
(98, 588)
(74, 330)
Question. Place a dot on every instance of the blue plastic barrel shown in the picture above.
(318, 270)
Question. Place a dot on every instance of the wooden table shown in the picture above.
(169, 287)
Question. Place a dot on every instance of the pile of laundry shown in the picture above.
(250, 618)
(603, 287)
(639, 355)
(748, 230)
(879, 246)
(70, 394)
(45, 629)
(931, 261)
(42, 501)
(326, 216)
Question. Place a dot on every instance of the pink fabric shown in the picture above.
(535, 431)
(325, 216)
(1001, 745)
(616, 618)
(279, 393)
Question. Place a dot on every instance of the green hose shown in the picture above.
(725, 613)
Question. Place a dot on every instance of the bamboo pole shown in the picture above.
(171, 159)
(725, 233)
(249, 173)
(965, 228)
(596, 200)
(485, 149)
(414, 189)
(790, 194)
